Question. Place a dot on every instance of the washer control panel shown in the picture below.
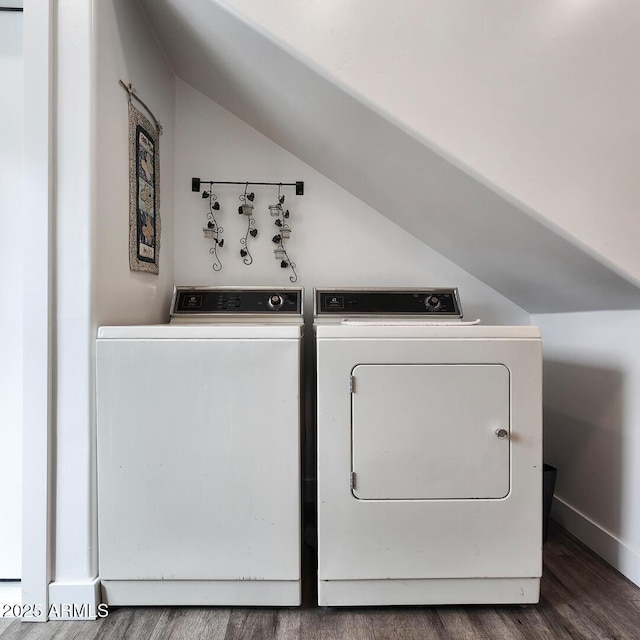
(205, 301)
(388, 302)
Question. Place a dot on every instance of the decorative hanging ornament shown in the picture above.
(213, 231)
(284, 233)
(246, 209)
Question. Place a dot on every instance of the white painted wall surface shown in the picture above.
(336, 239)
(592, 429)
(11, 257)
(127, 50)
(540, 99)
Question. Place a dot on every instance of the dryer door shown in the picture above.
(430, 431)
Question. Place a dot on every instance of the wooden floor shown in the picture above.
(582, 598)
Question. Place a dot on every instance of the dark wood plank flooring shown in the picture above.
(582, 598)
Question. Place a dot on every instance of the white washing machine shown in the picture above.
(429, 452)
(199, 452)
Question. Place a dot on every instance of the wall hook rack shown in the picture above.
(299, 185)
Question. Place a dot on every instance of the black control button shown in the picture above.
(432, 302)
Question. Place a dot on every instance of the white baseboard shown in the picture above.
(75, 600)
(604, 543)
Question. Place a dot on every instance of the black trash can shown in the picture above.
(549, 474)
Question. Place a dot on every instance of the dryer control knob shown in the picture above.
(275, 301)
(432, 302)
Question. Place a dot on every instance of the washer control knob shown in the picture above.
(275, 301)
(502, 433)
(432, 302)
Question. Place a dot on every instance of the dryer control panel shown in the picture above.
(388, 302)
(207, 301)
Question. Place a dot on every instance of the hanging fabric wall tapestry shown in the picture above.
(144, 189)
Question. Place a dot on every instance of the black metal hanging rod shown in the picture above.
(299, 185)
(11, 9)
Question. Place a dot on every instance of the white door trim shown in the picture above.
(38, 302)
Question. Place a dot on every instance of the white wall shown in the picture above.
(336, 240)
(592, 429)
(11, 256)
(97, 44)
(381, 159)
(538, 98)
(127, 50)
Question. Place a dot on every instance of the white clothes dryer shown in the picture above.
(429, 452)
(199, 452)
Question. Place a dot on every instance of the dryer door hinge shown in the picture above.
(352, 480)
(352, 384)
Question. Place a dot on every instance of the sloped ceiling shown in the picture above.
(490, 234)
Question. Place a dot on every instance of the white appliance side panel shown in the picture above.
(198, 459)
(429, 431)
(421, 539)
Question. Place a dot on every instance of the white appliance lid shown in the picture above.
(229, 331)
(418, 330)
